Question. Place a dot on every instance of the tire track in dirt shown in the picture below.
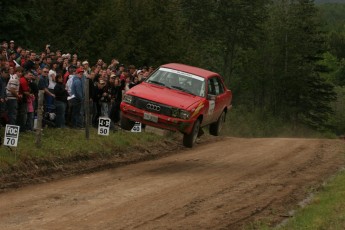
(217, 185)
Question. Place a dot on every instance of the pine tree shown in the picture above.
(305, 96)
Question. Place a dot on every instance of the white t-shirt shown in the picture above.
(69, 84)
(52, 82)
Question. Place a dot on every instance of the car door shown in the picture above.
(217, 98)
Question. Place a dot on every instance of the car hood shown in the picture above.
(164, 95)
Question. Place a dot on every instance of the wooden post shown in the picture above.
(87, 108)
(39, 118)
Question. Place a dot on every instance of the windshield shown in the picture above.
(178, 80)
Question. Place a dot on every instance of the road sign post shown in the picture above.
(11, 135)
(136, 128)
(104, 126)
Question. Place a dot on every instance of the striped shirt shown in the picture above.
(13, 83)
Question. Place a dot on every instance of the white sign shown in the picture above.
(211, 107)
(104, 126)
(136, 128)
(11, 135)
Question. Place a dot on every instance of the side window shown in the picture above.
(211, 89)
(218, 86)
(215, 86)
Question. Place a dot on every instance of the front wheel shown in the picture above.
(216, 127)
(189, 139)
(126, 123)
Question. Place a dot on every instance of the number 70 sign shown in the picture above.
(11, 135)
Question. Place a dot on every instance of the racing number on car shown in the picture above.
(211, 107)
(103, 126)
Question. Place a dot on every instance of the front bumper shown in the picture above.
(163, 121)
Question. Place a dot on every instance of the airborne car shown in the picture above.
(178, 97)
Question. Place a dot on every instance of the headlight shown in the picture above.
(180, 113)
(128, 99)
(184, 114)
(175, 112)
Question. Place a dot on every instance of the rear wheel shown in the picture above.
(126, 123)
(217, 126)
(189, 139)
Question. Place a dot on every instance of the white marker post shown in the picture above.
(104, 126)
(136, 128)
(11, 135)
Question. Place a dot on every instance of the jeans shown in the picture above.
(12, 107)
(114, 112)
(60, 109)
(105, 109)
(76, 113)
(96, 112)
(30, 121)
(22, 115)
(49, 102)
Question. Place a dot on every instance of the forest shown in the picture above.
(283, 59)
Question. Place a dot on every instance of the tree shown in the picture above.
(16, 20)
(304, 96)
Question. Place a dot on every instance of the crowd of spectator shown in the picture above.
(23, 73)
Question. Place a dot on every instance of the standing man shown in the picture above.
(4, 47)
(30, 64)
(4, 75)
(11, 48)
(24, 91)
(70, 75)
(43, 84)
(12, 92)
(87, 69)
(78, 91)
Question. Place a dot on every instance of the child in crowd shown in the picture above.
(30, 114)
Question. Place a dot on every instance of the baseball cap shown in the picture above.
(80, 70)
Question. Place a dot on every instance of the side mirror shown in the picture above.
(211, 97)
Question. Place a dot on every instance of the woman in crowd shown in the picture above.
(116, 98)
(60, 102)
(106, 98)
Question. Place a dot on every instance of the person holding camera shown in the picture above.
(30, 64)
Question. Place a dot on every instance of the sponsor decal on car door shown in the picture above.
(212, 105)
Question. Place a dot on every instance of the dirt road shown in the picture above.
(220, 185)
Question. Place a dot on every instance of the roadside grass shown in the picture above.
(326, 210)
(241, 123)
(69, 142)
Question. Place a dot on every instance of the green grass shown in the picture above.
(326, 211)
(241, 123)
(61, 143)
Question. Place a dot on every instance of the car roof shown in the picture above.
(190, 69)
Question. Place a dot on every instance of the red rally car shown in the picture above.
(178, 97)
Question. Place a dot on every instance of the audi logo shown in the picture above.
(153, 107)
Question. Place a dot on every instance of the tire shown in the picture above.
(126, 123)
(189, 139)
(217, 126)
